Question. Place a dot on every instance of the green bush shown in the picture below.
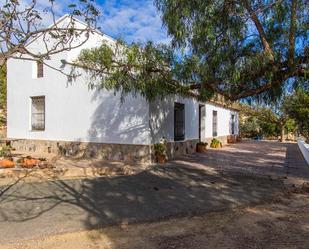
(202, 143)
(160, 149)
(5, 151)
(215, 143)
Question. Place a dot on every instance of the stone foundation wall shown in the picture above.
(179, 148)
(118, 152)
(2, 133)
(223, 139)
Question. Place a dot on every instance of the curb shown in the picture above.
(61, 173)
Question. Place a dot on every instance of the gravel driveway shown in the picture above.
(197, 184)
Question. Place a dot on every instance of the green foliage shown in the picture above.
(250, 128)
(224, 53)
(290, 125)
(215, 143)
(2, 120)
(3, 87)
(203, 144)
(160, 148)
(265, 122)
(221, 34)
(297, 107)
(269, 129)
(146, 69)
(5, 151)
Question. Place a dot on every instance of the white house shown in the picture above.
(47, 113)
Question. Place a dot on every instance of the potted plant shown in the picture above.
(7, 163)
(215, 143)
(5, 151)
(6, 160)
(201, 147)
(160, 152)
(29, 162)
(230, 139)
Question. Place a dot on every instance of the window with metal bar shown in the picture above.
(214, 123)
(179, 122)
(38, 113)
(233, 124)
(40, 69)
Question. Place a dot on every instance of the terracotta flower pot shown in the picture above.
(219, 146)
(160, 158)
(43, 164)
(230, 139)
(201, 148)
(30, 163)
(7, 163)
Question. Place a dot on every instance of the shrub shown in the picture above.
(202, 144)
(160, 149)
(5, 151)
(201, 147)
(215, 143)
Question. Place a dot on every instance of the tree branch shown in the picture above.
(260, 29)
(292, 32)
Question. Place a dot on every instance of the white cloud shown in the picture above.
(132, 21)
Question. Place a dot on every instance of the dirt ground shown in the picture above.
(235, 176)
(282, 223)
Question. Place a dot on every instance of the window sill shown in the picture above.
(180, 140)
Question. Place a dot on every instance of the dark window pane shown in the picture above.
(233, 124)
(179, 122)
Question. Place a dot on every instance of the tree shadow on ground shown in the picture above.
(192, 185)
(160, 192)
(264, 158)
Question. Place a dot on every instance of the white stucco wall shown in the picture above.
(76, 113)
(162, 118)
(73, 111)
(224, 120)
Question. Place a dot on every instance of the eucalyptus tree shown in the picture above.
(236, 48)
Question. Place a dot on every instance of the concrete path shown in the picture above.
(267, 158)
(196, 184)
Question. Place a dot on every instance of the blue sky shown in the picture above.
(131, 20)
(134, 20)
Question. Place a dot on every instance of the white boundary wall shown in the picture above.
(304, 148)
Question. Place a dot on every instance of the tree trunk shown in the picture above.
(292, 32)
(282, 135)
